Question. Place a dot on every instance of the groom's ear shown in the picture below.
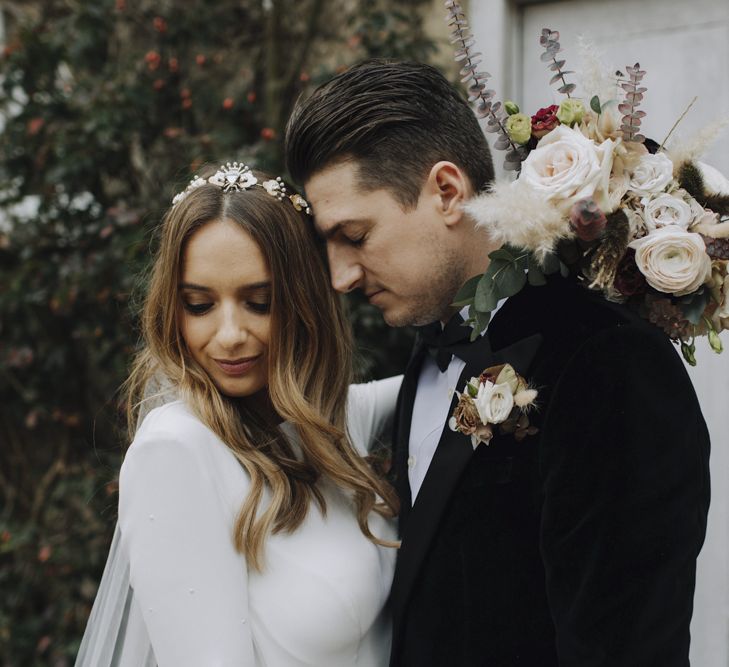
(450, 187)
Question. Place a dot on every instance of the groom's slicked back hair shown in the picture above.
(395, 120)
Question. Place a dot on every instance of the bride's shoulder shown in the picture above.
(173, 426)
(171, 419)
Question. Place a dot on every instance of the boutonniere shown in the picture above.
(498, 397)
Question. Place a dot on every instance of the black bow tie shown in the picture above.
(444, 342)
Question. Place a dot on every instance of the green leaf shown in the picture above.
(550, 264)
(595, 105)
(693, 306)
(465, 295)
(510, 281)
(503, 253)
(486, 297)
(536, 275)
(482, 320)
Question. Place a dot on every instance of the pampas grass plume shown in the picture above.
(691, 149)
(518, 216)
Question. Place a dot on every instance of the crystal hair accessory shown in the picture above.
(236, 177)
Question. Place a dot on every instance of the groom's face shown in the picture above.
(403, 259)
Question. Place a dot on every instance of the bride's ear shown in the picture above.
(451, 188)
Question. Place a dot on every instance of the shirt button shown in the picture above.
(411, 461)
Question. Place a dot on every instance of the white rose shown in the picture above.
(652, 174)
(494, 402)
(665, 211)
(673, 260)
(567, 166)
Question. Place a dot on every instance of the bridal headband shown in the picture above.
(236, 177)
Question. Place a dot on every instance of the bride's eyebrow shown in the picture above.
(266, 284)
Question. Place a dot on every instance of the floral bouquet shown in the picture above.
(596, 199)
(498, 397)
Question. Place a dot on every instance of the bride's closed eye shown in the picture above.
(196, 308)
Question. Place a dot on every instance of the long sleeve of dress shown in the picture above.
(370, 410)
(188, 580)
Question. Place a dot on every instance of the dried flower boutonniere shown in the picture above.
(499, 396)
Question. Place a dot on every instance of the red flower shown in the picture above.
(187, 103)
(251, 97)
(544, 121)
(173, 64)
(185, 93)
(158, 84)
(160, 25)
(268, 133)
(34, 126)
(228, 103)
(304, 77)
(628, 278)
(153, 60)
(200, 59)
(587, 220)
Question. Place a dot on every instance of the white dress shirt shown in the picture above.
(431, 412)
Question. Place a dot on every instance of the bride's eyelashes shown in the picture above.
(260, 308)
(196, 308)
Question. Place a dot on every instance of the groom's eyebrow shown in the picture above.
(327, 234)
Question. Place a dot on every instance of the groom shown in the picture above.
(576, 546)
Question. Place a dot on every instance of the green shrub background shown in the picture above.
(107, 107)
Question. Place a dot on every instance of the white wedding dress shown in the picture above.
(175, 592)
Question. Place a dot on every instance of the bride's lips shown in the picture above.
(236, 367)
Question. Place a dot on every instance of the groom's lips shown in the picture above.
(371, 296)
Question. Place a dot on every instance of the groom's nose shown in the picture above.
(346, 273)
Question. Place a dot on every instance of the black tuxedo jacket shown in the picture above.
(577, 546)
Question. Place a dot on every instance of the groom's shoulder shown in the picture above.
(568, 316)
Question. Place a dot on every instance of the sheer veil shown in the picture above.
(116, 635)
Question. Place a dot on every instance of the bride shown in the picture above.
(252, 530)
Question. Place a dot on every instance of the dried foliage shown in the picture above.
(549, 41)
(629, 108)
(478, 92)
(607, 257)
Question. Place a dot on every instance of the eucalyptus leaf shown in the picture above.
(465, 295)
(694, 308)
(486, 297)
(509, 281)
(550, 264)
(482, 321)
(504, 252)
(595, 105)
(535, 276)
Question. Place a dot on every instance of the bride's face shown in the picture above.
(225, 295)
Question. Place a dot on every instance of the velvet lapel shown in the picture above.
(451, 457)
(404, 414)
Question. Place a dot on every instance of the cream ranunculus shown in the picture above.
(567, 166)
(673, 260)
(652, 174)
(666, 210)
(494, 402)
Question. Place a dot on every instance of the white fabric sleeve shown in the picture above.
(370, 410)
(189, 581)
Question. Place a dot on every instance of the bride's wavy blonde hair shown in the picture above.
(310, 369)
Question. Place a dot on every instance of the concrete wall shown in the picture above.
(684, 46)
